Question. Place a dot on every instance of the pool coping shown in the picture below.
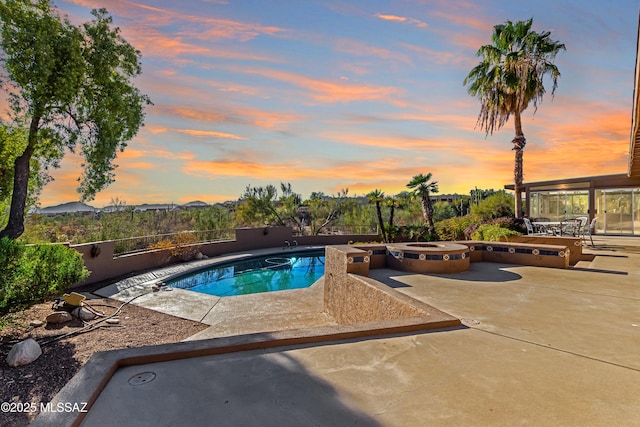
(130, 289)
(167, 273)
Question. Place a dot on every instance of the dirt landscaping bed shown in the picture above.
(41, 380)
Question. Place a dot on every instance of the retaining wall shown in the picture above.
(351, 298)
(104, 266)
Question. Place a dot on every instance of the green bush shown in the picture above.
(442, 211)
(10, 256)
(515, 224)
(454, 228)
(492, 233)
(411, 233)
(499, 204)
(33, 274)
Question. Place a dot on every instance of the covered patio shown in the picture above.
(613, 199)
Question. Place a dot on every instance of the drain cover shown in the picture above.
(142, 378)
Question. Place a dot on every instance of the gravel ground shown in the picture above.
(39, 381)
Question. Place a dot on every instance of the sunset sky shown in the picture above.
(354, 94)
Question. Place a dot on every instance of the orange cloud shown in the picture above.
(326, 91)
(464, 20)
(402, 19)
(198, 133)
(156, 16)
(372, 170)
(193, 29)
(152, 42)
(153, 152)
(209, 134)
(246, 116)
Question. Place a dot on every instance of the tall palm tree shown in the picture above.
(423, 186)
(377, 197)
(508, 78)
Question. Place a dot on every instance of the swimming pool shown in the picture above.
(276, 272)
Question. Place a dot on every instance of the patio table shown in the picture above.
(557, 227)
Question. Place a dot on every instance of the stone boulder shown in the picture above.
(83, 314)
(24, 353)
(59, 317)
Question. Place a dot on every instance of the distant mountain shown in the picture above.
(71, 207)
(75, 207)
(195, 204)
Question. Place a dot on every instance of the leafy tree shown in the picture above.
(263, 205)
(510, 77)
(289, 206)
(377, 197)
(442, 211)
(326, 210)
(356, 214)
(499, 204)
(422, 187)
(257, 206)
(71, 89)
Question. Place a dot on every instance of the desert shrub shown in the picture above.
(454, 228)
(182, 245)
(492, 233)
(499, 204)
(42, 272)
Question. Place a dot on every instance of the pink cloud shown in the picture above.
(324, 90)
(402, 19)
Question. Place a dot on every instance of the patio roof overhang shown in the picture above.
(583, 183)
(634, 150)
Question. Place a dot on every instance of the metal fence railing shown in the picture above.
(342, 229)
(142, 243)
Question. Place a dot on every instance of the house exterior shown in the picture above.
(614, 200)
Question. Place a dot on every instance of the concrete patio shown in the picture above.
(539, 347)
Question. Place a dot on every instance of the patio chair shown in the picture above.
(530, 230)
(575, 228)
(587, 230)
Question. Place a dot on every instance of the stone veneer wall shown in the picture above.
(352, 299)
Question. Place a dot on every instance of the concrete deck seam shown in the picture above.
(209, 311)
(548, 346)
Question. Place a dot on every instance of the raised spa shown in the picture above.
(437, 257)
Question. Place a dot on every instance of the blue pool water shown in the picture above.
(276, 272)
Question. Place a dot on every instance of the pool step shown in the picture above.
(582, 265)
